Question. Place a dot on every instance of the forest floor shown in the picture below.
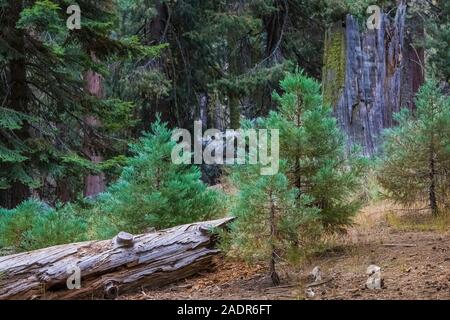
(412, 249)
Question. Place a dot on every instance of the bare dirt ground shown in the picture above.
(414, 258)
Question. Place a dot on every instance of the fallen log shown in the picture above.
(111, 267)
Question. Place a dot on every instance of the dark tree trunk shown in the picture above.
(432, 177)
(273, 234)
(217, 112)
(203, 110)
(155, 32)
(18, 96)
(368, 76)
(16, 194)
(158, 24)
(274, 26)
(235, 111)
(94, 184)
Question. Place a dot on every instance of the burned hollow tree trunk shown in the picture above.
(112, 267)
(370, 75)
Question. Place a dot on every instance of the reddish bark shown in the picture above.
(94, 183)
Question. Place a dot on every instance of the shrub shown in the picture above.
(33, 225)
(154, 192)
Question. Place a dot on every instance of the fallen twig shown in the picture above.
(406, 245)
(316, 284)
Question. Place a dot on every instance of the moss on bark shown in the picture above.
(334, 64)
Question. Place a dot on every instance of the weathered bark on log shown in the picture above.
(109, 268)
(370, 75)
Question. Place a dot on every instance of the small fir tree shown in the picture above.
(416, 162)
(314, 148)
(313, 191)
(153, 191)
(270, 215)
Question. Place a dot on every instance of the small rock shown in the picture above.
(372, 269)
(375, 281)
(310, 293)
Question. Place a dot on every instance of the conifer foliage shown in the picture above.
(416, 162)
(272, 217)
(34, 225)
(314, 149)
(313, 191)
(44, 99)
(153, 191)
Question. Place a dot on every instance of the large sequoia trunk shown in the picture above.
(112, 267)
(94, 184)
(369, 76)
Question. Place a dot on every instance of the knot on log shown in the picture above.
(205, 230)
(111, 291)
(123, 239)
